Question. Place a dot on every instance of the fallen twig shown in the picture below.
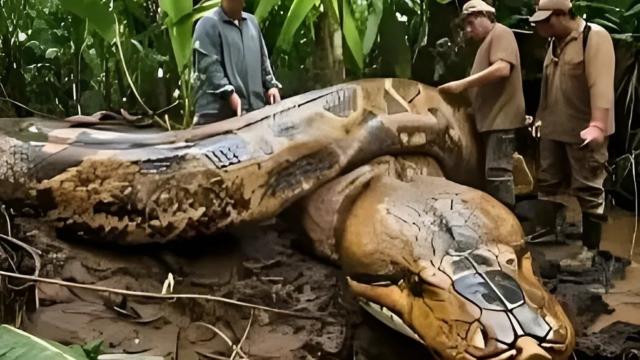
(128, 76)
(27, 108)
(29, 248)
(160, 296)
(35, 253)
(6, 216)
(225, 337)
(244, 337)
(6, 251)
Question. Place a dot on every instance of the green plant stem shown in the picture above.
(126, 72)
(84, 43)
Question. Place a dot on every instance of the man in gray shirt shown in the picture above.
(234, 72)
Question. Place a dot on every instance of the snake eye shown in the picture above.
(415, 285)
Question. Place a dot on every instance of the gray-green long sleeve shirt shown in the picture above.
(230, 57)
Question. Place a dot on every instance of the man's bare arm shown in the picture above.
(498, 70)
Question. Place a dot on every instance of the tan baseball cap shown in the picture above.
(474, 6)
(546, 8)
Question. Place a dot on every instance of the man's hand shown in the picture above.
(273, 96)
(593, 133)
(454, 87)
(236, 104)
(533, 125)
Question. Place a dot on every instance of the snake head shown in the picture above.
(446, 265)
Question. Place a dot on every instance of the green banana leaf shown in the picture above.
(18, 345)
(373, 23)
(297, 13)
(351, 34)
(180, 34)
(96, 12)
(264, 8)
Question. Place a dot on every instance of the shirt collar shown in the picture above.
(573, 36)
(226, 18)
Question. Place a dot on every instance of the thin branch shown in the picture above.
(168, 107)
(29, 248)
(35, 253)
(84, 44)
(631, 99)
(28, 108)
(3, 209)
(223, 336)
(160, 296)
(635, 193)
(126, 72)
(244, 337)
(3, 91)
(6, 252)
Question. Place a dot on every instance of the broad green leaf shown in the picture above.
(626, 37)
(180, 33)
(264, 8)
(612, 19)
(198, 11)
(634, 10)
(597, 5)
(423, 37)
(373, 23)
(351, 35)
(96, 12)
(176, 8)
(443, 1)
(18, 345)
(51, 53)
(605, 24)
(298, 11)
(93, 349)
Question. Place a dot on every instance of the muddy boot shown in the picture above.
(502, 190)
(592, 230)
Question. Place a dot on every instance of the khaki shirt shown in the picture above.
(574, 81)
(498, 105)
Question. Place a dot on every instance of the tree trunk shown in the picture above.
(328, 61)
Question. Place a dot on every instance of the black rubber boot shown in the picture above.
(502, 190)
(592, 230)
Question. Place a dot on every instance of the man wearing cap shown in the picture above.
(576, 110)
(495, 88)
(234, 72)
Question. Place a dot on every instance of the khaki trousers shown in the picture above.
(581, 169)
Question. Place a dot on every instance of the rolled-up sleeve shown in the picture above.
(207, 47)
(268, 79)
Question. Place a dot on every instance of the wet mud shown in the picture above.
(261, 264)
(256, 264)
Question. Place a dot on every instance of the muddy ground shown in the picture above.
(259, 264)
(256, 264)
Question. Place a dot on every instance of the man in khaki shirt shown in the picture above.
(576, 110)
(495, 88)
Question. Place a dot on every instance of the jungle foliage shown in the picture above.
(68, 57)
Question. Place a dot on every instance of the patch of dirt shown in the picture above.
(256, 265)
